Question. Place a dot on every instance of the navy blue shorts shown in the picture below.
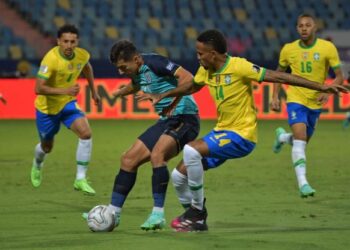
(183, 128)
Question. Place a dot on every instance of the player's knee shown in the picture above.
(190, 155)
(157, 159)
(85, 135)
(178, 178)
(47, 148)
(128, 163)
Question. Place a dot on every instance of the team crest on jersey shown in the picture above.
(43, 69)
(170, 66)
(317, 56)
(305, 55)
(70, 66)
(256, 68)
(227, 79)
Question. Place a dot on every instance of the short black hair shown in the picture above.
(306, 15)
(215, 39)
(122, 50)
(67, 28)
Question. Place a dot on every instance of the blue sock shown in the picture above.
(160, 179)
(123, 183)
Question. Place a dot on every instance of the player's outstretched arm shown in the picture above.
(124, 90)
(89, 75)
(275, 104)
(289, 79)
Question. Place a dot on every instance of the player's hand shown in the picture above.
(73, 90)
(154, 98)
(334, 89)
(323, 98)
(275, 104)
(97, 99)
(118, 92)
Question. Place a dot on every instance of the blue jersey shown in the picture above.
(156, 76)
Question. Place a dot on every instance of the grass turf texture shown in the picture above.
(253, 203)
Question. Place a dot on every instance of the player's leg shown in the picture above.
(126, 178)
(180, 183)
(74, 119)
(178, 130)
(346, 122)
(302, 121)
(211, 152)
(48, 126)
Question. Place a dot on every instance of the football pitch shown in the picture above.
(253, 203)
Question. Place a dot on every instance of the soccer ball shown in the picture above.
(101, 219)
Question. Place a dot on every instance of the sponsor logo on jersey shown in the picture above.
(70, 66)
(43, 69)
(217, 79)
(227, 79)
(305, 55)
(148, 77)
(317, 56)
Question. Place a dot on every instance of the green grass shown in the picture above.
(253, 203)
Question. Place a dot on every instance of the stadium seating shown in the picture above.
(255, 29)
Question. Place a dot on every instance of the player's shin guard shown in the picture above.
(83, 157)
(193, 163)
(123, 184)
(183, 192)
(299, 161)
(160, 180)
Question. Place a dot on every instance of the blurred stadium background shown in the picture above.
(256, 29)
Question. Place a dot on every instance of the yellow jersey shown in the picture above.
(311, 62)
(59, 72)
(232, 92)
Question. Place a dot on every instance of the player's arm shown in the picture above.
(126, 90)
(289, 79)
(275, 103)
(41, 88)
(339, 79)
(89, 75)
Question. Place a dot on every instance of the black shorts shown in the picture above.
(183, 128)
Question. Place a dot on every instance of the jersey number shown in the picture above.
(306, 67)
(219, 93)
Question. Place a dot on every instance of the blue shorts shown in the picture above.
(49, 125)
(183, 128)
(224, 145)
(298, 113)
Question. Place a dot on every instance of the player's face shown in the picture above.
(205, 55)
(306, 28)
(129, 68)
(68, 42)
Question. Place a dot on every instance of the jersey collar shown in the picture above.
(307, 47)
(228, 57)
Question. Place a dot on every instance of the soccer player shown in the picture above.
(235, 135)
(56, 90)
(309, 57)
(152, 73)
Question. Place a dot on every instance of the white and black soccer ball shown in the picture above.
(101, 219)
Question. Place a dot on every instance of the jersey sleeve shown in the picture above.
(250, 71)
(333, 57)
(47, 66)
(283, 59)
(199, 77)
(161, 65)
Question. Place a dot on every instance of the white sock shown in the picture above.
(39, 156)
(158, 209)
(180, 183)
(116, 210)
(299, 161)
(286, 138)
(192, 159)
(83, 157)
